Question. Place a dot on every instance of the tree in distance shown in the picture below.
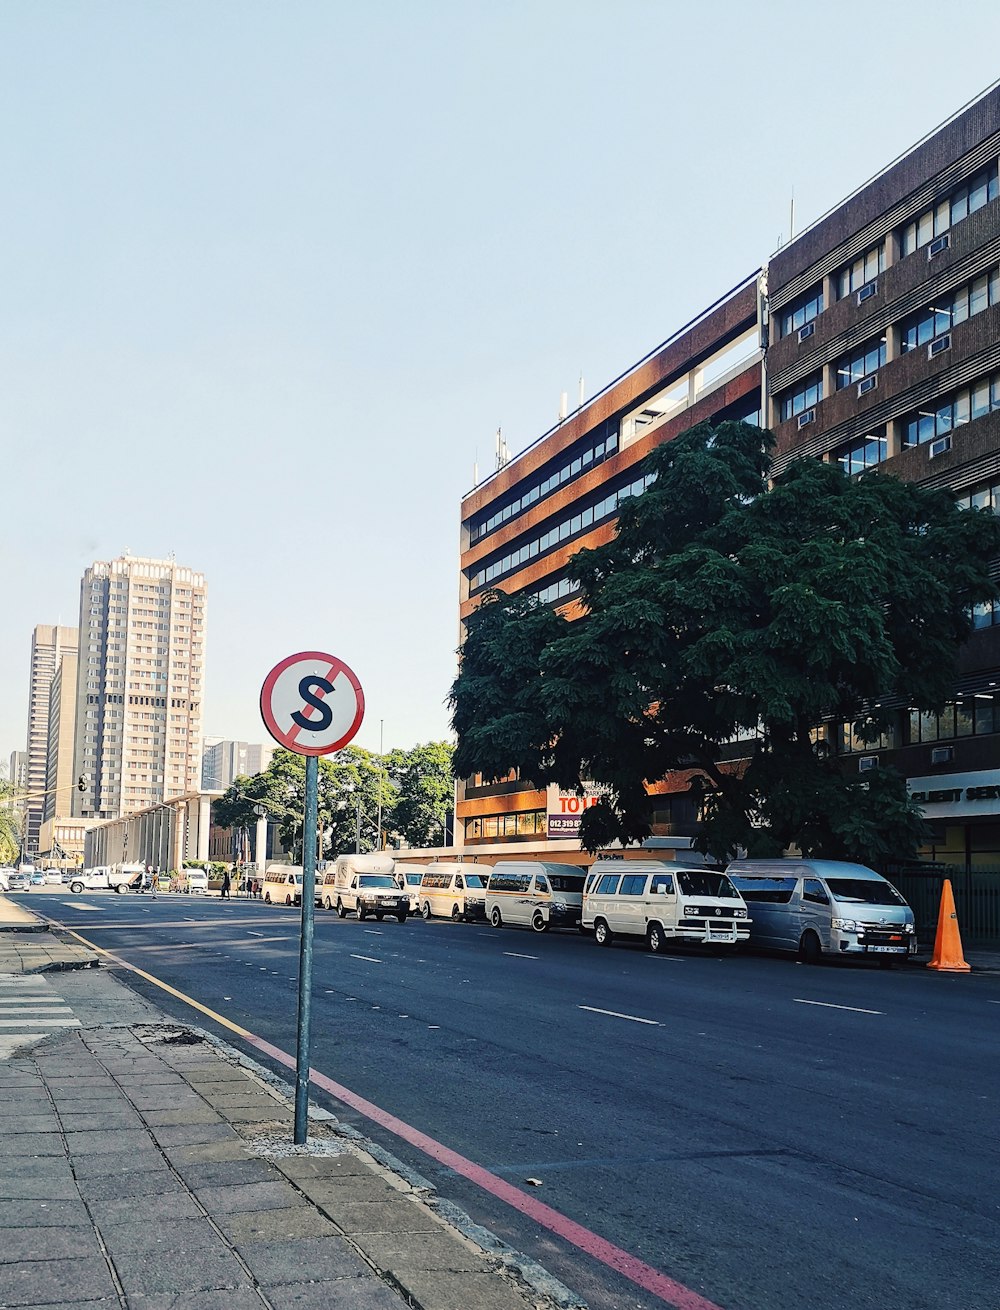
(423, 792)
(719, 630)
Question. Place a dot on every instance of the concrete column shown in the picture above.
(893, 437)
(260, 844)
(204, 822)
(829, 290)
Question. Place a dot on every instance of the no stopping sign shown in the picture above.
(312, 703)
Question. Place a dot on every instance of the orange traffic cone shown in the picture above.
(948, 955)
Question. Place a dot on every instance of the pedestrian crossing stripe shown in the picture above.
(30, 1011)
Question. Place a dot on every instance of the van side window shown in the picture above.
(540, 884)
(632, 884)
(813, 890)
(459, 884)
(662, 883)
(608, 885)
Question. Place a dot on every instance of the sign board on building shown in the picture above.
(957, 795)
(565, 810)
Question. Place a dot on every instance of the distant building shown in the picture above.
(18, 770)
(140, 682)
(48, 645)
(222, 761)
(60, 782)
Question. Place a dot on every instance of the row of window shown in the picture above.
(529, 823)
(955, 307)
(861, 363)
(580, 521)
(599, 448)
(952, 411)
(964, 200)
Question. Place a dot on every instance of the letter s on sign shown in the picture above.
(325, 716)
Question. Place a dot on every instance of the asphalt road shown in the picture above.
(770, 1135)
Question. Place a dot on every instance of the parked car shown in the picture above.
(18, 882)
(535, 892)
(662, 903)
(4, 875)
(196, 881)
(53, 877)
(823, 908)
(453, 891)
(38, 878)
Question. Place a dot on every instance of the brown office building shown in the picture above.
(872, 339)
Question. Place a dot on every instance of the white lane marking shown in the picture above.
(828, 1005)
(433, 1027)
(83, 905)
(370, 958)
(614, 1014)
(515, 955)
(375, 932)
(37, 1006)
(677, 959)
(39, 1023)
(993, 1002)
(251, 933)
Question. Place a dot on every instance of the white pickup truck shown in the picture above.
(115, 877)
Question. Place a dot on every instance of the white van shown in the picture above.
(825, 908)
(536, 893)
(408, 877)
(662, 902)
(282, 884)
(452, 890)
(367, 885)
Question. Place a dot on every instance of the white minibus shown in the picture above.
(825, 908)
(536, 893)
(453, 891)
(408, 877)
(282, 884)
(662, 902)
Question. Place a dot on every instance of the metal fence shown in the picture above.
(977, 899)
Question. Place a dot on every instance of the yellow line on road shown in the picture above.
(158, 982)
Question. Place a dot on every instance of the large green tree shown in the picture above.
(10, 825)
(423, 791)
(728, 607)
(347, 795)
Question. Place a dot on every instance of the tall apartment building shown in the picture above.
(60, 780)
(48, 644)
(879, 329)
(139, 685)
(222, 761)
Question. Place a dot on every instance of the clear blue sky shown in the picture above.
(273, 274)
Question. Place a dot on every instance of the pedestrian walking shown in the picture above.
(154, 878)
(226, 884)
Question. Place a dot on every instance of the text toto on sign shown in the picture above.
(312, 703)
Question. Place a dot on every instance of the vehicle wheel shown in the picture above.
(539, 922)
(76, 887)
(810, 950)
(327, 903)
(602, 933)
(340, 908)
(361, 912)
(426, 911)
(657, 939)
(496, 918)
(121, 888)
(380, 915)
(401, 917)
(267, 898)
(456, 914)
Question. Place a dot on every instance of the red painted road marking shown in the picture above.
(598, 1248)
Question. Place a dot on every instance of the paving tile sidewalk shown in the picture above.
(28, 945)
(141, 1167)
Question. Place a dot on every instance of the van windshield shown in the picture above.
(563, 882)
(866, 891)
(474, 880)
(706, 884)
(375, 880)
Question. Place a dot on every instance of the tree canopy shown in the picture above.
(725, 609)
(416, 792)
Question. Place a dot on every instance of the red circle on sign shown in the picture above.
(285, 708)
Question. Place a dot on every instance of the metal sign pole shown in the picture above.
(306, 953)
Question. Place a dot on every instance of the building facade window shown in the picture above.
(557, 591)
(863, 270)
(573, 525)
(802, 311)
(861, 363)
(600, 446)
(807, 393)
(970, 716)
(951, 209)
(487, 827)
(863, 453)
(943, 415)
(920, 328)
(986, 496)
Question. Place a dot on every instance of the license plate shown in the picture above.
(887, 950)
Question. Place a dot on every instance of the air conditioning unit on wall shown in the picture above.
(867, 762)
(942, 754)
